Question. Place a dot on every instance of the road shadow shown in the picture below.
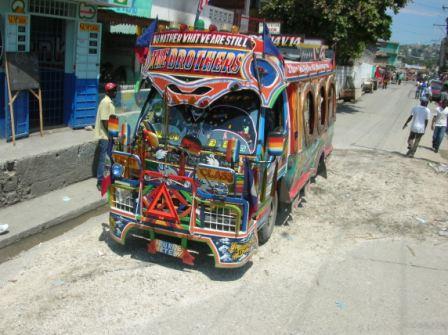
(401, 154)
(426, 148)
(204, 262)
(443, 153)
(347, 108)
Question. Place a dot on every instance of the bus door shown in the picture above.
(310, 129)
(276, 120)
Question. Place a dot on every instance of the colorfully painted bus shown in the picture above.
(227, 135)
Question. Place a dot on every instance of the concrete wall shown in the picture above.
(36, 175)
(176, 11)
(363, 72)
(360, 72)
(341, 73)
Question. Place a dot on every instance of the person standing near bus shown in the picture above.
(419, 116)
(106, 108)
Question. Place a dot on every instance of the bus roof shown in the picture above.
(198, 67)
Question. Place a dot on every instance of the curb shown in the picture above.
(14, 238)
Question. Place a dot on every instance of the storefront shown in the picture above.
(121, 26)
(80, 45)
(66, 38)
(118, 61)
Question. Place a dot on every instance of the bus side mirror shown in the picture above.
(276, 143)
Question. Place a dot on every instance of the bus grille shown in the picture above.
(123, 200)
(219, 218)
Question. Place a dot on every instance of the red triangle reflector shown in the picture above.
(162, 206)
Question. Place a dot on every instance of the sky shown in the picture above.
(415, 22)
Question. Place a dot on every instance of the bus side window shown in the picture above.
(322, 110)
(276, 115)
(308, 112)
(274, 118)
(270, 121)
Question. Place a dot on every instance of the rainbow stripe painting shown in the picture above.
(276, 145)
(239, 185)
(113, 126)
(125, 134)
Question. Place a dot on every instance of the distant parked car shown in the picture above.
(435, 90)
(348, 92)
(367, 86)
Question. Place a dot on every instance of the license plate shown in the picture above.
(168, 248)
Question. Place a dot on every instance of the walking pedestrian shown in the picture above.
(106, 108)
(424, 91)
(385, 80)
(419, 116)
(417, 90)
(439, 124)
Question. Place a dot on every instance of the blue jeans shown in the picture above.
(103, 146)
(437, 136)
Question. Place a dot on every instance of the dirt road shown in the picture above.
(361, 256)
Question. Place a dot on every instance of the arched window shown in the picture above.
(308, 112)
(332, 103)
(322, 107)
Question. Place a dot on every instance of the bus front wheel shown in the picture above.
(266, 231)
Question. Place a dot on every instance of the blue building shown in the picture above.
(66, 38)
(80, 45)
(387, 53)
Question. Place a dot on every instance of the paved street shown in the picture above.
(361, 256)
(376, 121)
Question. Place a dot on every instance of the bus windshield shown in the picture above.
(213, 126)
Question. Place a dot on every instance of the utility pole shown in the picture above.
(446, 20)
(443, 45)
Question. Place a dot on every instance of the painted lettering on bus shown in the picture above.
(210, 39)
(215, 175)
(206, 61)
(239, 250)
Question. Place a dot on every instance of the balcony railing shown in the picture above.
(247, 24)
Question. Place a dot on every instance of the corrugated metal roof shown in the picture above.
(103, 3)
(127, 29)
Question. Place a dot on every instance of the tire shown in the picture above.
(266, 231)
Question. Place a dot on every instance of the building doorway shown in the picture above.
(48, 42)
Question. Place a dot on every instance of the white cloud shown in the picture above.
(412, 11)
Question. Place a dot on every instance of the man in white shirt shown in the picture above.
(419, 116)
(439, 123)
(106, 108)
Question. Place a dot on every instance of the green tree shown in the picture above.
(351, 24)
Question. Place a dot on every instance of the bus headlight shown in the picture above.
(117, 170)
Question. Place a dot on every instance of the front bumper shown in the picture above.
(228, 252)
